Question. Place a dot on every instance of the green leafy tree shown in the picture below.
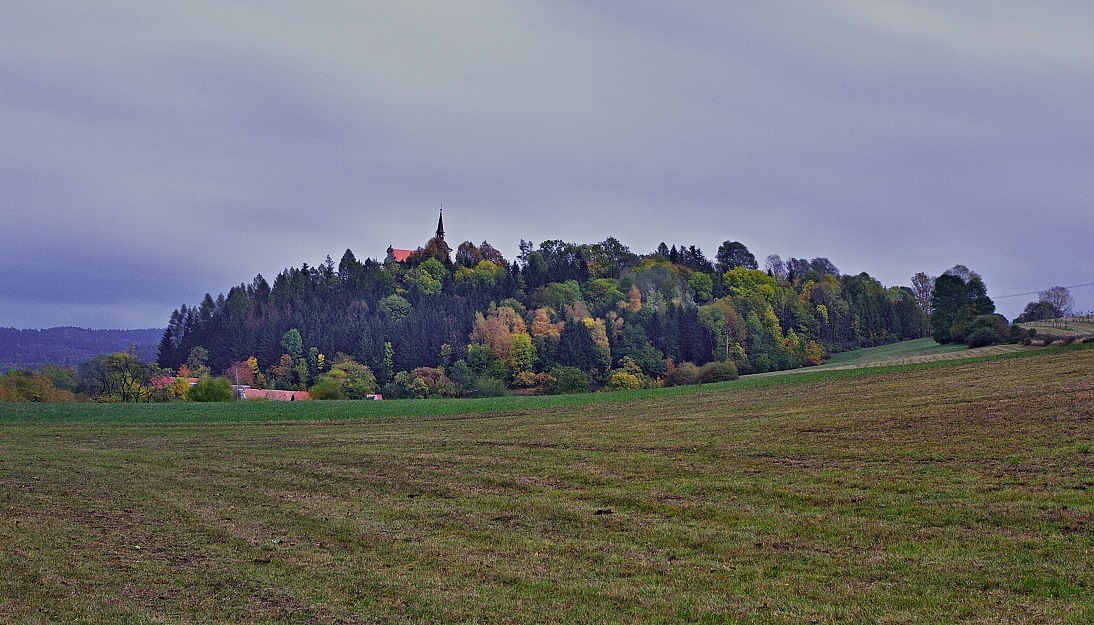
(703, 287)
(950, 306)
(118, 377)
(428, 278)
(387, 368)
(394, 308)
(355, 379)
(733, 254)
(987, 330)
(522, 355)
(328, 387)
(483, 362)
(62, 378)
(462, 376)
(602, 295)
(956, 302)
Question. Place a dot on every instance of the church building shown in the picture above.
(399, 256)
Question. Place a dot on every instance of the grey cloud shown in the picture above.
(223, 140)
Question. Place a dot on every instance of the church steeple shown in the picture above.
(440, 224)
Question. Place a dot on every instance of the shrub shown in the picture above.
(19, 386)
(684, 374)
(417, 388)
(717, 372)
(814, 354)
(211, 389)
(490, 387)
(982, 337)
(420, 383)
(462, 376)
(570, 380)
(623, 381)
(436, 383)
(987, 330)
(326, 388)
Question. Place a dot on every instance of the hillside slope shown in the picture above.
(70, 346)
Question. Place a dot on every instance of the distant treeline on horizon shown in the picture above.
(31, 348)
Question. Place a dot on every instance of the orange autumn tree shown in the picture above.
(495, 330)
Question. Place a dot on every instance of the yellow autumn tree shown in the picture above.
(599, 333)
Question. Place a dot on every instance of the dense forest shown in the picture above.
(30, 349)
(558, 316)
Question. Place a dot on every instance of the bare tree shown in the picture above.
(1060, 298)
(776, 267)
(961, 271)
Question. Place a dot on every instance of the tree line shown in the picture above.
(31, 349)
(561, 317)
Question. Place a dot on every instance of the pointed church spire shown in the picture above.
(440, 224)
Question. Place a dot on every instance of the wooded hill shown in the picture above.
(30, 349)
(478, 320)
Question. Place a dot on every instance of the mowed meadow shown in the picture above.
(960, 491)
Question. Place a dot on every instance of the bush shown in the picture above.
(327, 388)
(462, 376)
(623, 381)
(717, 372)
(684, 374)
(19, 386)
(987, 330)
(982, 337)
(570, 380)
(420, 383)
(436, 383)
(490, 387)
(211, 389)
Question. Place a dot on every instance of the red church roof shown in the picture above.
(398, 255)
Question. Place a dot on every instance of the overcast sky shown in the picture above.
(151, 152)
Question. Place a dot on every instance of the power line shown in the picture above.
(1077, 286)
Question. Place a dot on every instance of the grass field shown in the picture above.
(945, 492)
(904, 349)
(912, 352)
(1059, 328)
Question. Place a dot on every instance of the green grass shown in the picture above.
(1062, 328)
(903, 349)
(956, 491)
(867, 363)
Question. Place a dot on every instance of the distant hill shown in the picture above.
(71, 346)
